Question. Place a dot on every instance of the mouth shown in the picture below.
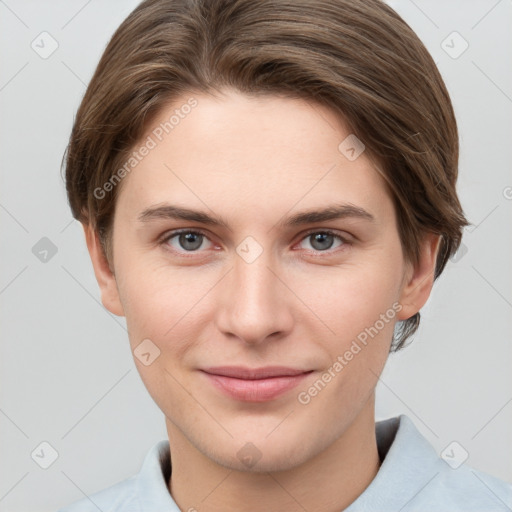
(254, 385)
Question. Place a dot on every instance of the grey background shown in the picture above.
(67, 375)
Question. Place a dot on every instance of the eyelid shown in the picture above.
(171, 234)
(346, 240)
(345, 236)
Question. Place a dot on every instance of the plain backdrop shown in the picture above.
(67, 375)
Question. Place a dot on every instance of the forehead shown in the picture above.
(261, 154)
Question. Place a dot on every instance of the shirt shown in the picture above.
(412, 478)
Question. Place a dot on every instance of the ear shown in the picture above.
(419, 277)
(104, 275)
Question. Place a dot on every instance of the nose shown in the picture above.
(255, 303)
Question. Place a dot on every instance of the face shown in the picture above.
(263, 324)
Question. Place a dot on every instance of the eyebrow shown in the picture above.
(333, 212)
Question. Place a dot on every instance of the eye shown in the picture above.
(186, 240)
(192, 241)
(322, 241)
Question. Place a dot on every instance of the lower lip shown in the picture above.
(256, 390)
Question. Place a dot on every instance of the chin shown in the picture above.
(263, 455)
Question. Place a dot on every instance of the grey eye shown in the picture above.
(186, 241)
(321, 241)
(190, 241)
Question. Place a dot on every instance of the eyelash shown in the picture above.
(187, 254)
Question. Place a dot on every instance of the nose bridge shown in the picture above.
(255, 303)
(254, 281)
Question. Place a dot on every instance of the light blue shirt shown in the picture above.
(411, 478)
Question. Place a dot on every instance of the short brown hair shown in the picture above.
(358, 57)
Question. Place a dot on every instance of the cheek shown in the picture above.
(361, 308)
(162, 304)
(351, 299)
(163, 310)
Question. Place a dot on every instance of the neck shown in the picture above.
(329, 482)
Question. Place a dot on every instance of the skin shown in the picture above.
(254, 162)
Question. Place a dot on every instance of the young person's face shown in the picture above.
(258, 291)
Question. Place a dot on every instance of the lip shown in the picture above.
(255, 385)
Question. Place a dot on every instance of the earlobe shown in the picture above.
(102, 271)
(420, 278)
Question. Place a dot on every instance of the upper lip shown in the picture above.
(240, 372)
